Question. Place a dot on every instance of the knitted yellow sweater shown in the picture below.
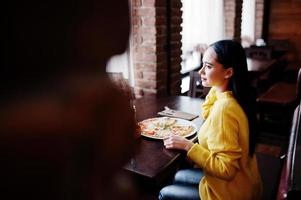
(222, 152)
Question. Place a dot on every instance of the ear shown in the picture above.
(229, 73)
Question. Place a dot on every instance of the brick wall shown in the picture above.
(156, 46)
(232, 10)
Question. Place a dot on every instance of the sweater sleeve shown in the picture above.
(223, 153)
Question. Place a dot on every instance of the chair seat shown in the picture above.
(281, 94)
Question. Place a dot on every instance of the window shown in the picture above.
(248, 23)
(203, 24)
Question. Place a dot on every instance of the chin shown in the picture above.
(204, 84)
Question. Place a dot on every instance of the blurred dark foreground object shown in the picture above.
(66, 129)
(66, 148)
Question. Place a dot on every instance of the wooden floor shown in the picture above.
(271, 142)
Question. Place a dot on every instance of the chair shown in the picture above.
(258, 52)
(195, 86)
(122, 83)
(280, 46)
(289, 186)
(276, 105)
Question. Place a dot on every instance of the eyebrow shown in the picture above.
(207, 63)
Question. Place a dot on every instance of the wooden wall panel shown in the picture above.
(285, 22)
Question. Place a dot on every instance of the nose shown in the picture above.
(201, 71)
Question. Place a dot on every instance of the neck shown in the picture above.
(223, 87)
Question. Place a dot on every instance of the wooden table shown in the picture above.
(153, 161)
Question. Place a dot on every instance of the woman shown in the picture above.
(225, 151)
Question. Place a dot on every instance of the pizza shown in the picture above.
(160, 127)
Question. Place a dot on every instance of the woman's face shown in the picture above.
(212, 72)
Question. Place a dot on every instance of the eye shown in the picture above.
(207, 66)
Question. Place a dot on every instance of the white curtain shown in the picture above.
(248, 23)
(203, 23)
(119, 63)
(122, 63)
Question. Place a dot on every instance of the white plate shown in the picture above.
(181, 122)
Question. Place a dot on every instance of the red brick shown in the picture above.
(146, 84)
(136, 21)
(137, 39)
(138, 74)
(146, 12)
(134, 11)
(147, 30)
(135, 3)
(148, 49)
(149, 38)
(148, 3)
(150, 45)
(138, 92)
(138, 56)
(149, 58)
(230, 3)
(149, 92)
(135, 29)
(149, 75)
(150, 67)
(149, 21)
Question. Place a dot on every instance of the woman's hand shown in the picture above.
(177, 142)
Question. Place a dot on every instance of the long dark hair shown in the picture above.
(231, 54)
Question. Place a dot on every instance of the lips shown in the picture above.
(203, 79)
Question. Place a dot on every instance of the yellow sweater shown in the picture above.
(222, 152)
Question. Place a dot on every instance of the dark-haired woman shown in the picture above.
(225, 160)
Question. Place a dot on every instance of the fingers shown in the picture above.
(173, 142)
(168, 141)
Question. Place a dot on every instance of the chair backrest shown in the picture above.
(280, 44)
(262, 53)
(122, 83)
(195, 86)
(299, 85)
(289, 185)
